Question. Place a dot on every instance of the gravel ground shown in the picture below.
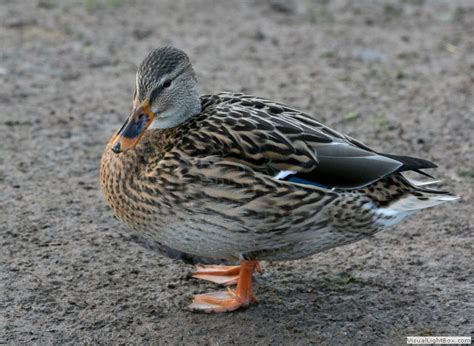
(396, 74)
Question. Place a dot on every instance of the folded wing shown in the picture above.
(287, 144)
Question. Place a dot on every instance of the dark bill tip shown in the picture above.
(116, 148)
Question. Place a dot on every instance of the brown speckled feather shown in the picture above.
(220, 185)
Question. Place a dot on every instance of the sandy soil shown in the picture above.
(395, 74)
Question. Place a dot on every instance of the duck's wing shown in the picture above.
(287, 144)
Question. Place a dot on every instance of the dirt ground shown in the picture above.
(397, 75)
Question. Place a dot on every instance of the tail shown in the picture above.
(422, 197)
(418, 197)
(413, 164)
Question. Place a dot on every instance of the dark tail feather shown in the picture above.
(412, 163)
(424, 173)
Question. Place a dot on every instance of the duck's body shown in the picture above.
(251, 179)
(198, 188)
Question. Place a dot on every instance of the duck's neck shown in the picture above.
(182, 111)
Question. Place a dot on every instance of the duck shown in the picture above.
(244, 179)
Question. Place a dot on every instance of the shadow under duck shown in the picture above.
(241, 178)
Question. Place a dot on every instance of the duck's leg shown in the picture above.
(229, 300)
(220, 274)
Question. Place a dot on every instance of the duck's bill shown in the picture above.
(132, 131)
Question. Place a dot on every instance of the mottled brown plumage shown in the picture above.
(250, 179)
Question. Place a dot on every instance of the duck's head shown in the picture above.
(166, 94)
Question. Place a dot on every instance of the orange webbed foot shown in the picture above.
(219, 274)
(222, 301)
(229, 300)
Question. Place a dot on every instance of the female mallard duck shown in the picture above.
(238, 177)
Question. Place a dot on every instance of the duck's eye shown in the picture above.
(167, 84)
